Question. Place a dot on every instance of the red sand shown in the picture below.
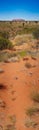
(17, 78)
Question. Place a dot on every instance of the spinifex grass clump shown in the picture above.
(30, 123)
(35, 97)
(12, 125)
(32, 111)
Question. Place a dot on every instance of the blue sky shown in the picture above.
(16, 9)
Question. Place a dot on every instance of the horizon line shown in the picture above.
(20, 19)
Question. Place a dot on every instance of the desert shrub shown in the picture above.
(32, 111)
(4, 34)
(35, 97)
(5, 44)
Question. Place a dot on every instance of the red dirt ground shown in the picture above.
(19, 85)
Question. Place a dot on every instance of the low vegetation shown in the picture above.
(4, 34)
(13, 119)
(12, 125)
(23, 53)
(32, 111)
(36, 36)
(16, 27)
(4, 55)
(35, 97)
(5, 44)
(22, 39)
(30, 123)
(36, 33)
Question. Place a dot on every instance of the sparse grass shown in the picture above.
(32, 111)
(35, 97)
(4, 55)
(12, 125)
(22, 38)
(30, 123)
(13, 119)
(33, 54)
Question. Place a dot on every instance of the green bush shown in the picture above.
(5, 44)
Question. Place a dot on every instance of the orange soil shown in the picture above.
(20, 100)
